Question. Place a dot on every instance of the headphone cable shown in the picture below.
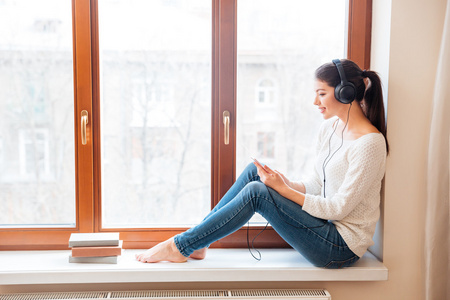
(325, 162)
(253, 247)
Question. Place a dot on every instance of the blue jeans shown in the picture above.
(316, 239)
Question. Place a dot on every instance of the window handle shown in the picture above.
(84, 121)
(226, 123)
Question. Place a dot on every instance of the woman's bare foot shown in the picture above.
(165, 251)
(199, 254)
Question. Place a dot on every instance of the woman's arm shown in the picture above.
(298, 186)
(293, 194)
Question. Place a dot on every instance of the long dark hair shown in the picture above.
(370, 98)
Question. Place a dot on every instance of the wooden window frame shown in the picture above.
(86, 97)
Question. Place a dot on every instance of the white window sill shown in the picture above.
(220, 265)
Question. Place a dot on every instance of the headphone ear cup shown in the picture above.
(345, 93)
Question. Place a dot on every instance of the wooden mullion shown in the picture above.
(214, 103)
(224, 86)
(84, 153)
(96, 115)
(359, 32)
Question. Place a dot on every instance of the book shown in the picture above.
(94, 239)
(97, 251)
(94, 259)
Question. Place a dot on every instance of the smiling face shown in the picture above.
(326, 102)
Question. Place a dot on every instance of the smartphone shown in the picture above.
(256, 161)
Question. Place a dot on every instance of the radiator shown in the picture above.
(278, 294)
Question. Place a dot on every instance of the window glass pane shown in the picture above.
(37, 177)
(280, 44)
(155, 78)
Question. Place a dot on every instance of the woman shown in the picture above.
(329, 218)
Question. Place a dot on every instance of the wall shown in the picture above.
(405, 52)
(406, 58)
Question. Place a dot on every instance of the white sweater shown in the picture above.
(353, 182)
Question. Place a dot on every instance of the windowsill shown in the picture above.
(220, 265)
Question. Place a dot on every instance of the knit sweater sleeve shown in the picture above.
(365, 159)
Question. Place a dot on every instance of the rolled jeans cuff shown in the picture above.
(180, 249)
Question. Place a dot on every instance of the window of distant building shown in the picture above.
(34, 153)
(266, 144)
(266, 92)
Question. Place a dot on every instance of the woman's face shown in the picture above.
(326, 102)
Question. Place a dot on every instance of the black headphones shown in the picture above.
(344, 92)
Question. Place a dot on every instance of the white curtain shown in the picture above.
(437, 226)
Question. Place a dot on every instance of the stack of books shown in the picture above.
(100, 248)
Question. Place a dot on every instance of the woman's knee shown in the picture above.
(251, 169)
(256, 186)
(256, 189)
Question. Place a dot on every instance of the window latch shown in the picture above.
(226, 123)
(84, 121)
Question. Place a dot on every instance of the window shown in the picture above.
(37, 183)
(35, 106)
(159, 81)
(265, 92)
(154, 89)
(266, 145)
(47, 25)
(34, 153)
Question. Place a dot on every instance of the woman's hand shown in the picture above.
(281, 184)
(271, 178)
(287, 181)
